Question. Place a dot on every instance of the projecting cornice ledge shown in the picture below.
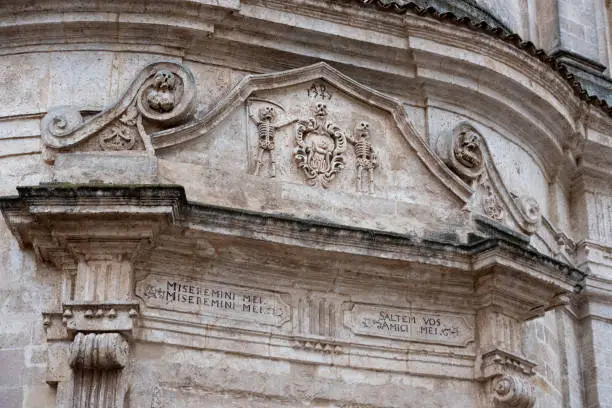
(48, 218)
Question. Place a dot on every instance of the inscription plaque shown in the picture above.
(412, 325)
(213, 299)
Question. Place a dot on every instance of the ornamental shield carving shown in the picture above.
(320, 147)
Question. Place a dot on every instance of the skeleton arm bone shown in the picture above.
(349, 138)
(253, 117)
(283, 124)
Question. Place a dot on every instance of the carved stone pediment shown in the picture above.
(309, 142)
(306, 142)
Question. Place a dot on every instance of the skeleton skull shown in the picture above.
(267, 113)
(362, 129)
(467, 149)
(164, 80)
(320, 109)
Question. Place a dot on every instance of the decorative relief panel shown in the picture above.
(386, 156)
(411, 325)
(213, 299)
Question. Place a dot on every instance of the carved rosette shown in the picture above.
(530, 209)
(320, 147)
(163, 95)
(512, 392)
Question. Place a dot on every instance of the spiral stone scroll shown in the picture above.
(163, 94)
(513, 392)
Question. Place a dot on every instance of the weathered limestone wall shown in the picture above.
(451, 86)
(27, 291)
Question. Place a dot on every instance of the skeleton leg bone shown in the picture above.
(259, 161)
(371, 180)
(272, 163)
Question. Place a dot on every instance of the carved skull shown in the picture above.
(319, 109)
(362, 129)
(467, 149)
(164, 80)
(267, 113)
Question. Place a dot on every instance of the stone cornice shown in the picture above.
(496, 32)
(39, 208)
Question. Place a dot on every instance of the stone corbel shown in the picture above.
(508, 295)
(98, 361)
(508, 380)
(93, 236)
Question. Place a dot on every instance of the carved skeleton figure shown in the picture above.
(366, 157)
(266, 133)
(160, 97)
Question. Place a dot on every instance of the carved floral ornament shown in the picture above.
(163, 95)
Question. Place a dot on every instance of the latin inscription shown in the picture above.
(209, 298)
(428, 327)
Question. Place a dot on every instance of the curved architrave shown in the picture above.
(321, 70)
(63, 127)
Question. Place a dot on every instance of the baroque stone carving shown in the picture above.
(266, 133)
(163, 95)
(530, 209)
(490, 203)
(160, 95)
(97, 361)
(463, 152)
(121, 135)
(512, 392)
(320, 147)
(366, 157)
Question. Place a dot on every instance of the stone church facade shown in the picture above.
(306, 203)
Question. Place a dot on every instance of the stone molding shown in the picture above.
(162, 205)
(554, 61)
(549, 123)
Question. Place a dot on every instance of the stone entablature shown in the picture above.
(294, 323)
